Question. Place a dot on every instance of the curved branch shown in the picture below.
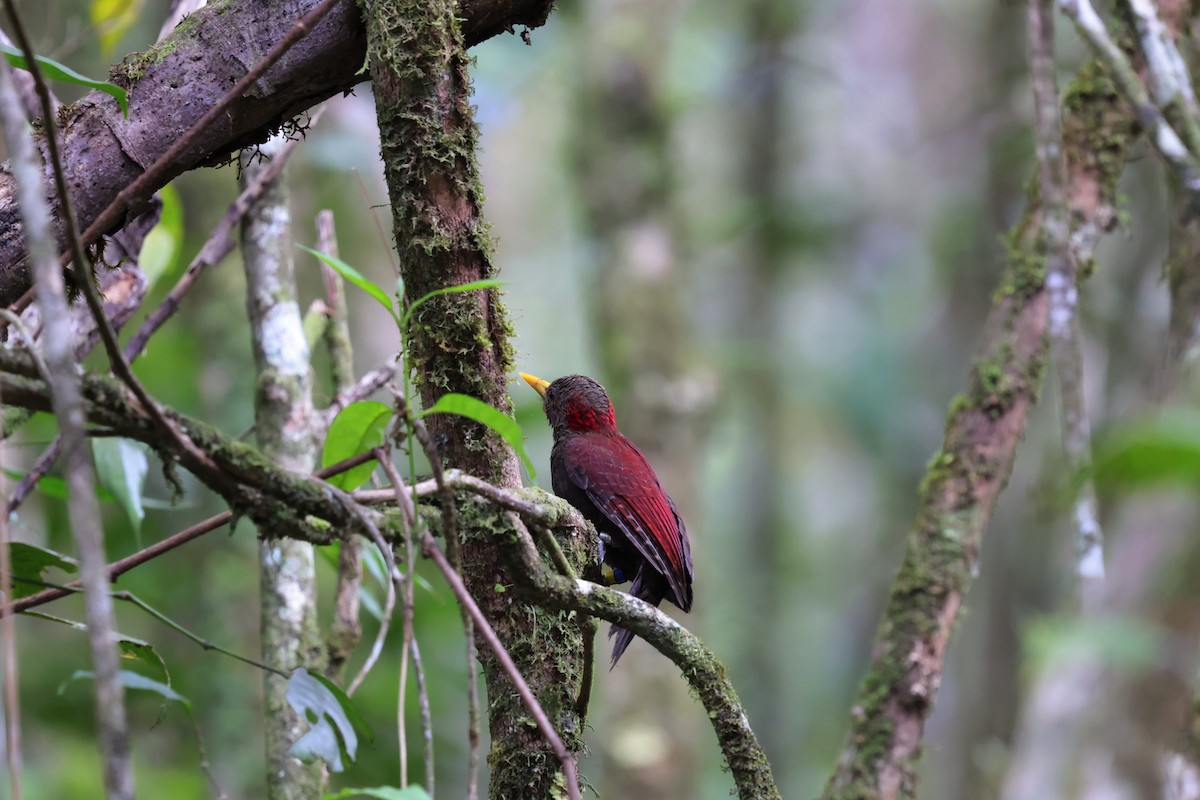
(105, 152)
(536, 581)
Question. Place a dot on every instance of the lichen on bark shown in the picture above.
(460, 343)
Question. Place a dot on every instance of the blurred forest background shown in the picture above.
(772, 229)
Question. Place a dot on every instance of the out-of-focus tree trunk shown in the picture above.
(283, 414)
(624, 156)
(767, 26)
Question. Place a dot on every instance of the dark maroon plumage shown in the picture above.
(595, 468)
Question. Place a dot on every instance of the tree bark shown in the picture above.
(460, 343)
(283, 416)
(174, 83)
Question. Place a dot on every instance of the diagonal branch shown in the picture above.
(105, 152)
(959, 491)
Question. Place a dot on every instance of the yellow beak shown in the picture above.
(538, 384)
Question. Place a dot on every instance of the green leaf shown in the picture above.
(1154, 452)
(133, 680)
(55, 487)
(358, 428)
(29, 562)
(357, 278)
(130, 646)
(487, 283)
(1054, 643)
(121, 466)
(481, 412)
(335, 722)
(54, 71)
(112, 19)
(162, 245)
(382, 793)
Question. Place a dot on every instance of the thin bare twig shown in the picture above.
(450, 536)
(395, 580)
(69, 407)
(219, 244)
(368, 384)
(1064, 329)
(430, 549)
(29, 481)
(118, 568)
(408, 523)
(8, 635)
(426, 712)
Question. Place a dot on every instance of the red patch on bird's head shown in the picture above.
(577, 403)
(583, 415)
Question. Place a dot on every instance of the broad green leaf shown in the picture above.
(335, 722)
(481, 412)
(130, 646)
(64, 74)
(112, 20)
(488, 283)
(121, 466)
(357, 278)
(56, 488)
(133, 680)
(29, 562)
(382, 793)
(161, 247)
(1164, 450)
(357, 428)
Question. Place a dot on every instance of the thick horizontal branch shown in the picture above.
(175, 82)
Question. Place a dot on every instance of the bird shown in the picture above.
(599, 471)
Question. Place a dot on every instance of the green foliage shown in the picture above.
(131, 647)
(112, 19)
(358, 428)
(133, 680)
(1162, 450)
(1061, 641)
(28, 564)
(481, 412)
(382, 793)
(336, 723)
(55, 71)
(161, 247)
(121, 467)
(357, 278)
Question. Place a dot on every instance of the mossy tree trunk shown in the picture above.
(460, 343)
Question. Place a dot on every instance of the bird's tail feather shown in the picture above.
(624, 637)
(648, 586)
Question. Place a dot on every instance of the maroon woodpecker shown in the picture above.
(595, 468)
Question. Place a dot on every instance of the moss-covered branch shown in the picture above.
(964, 479)
(251, 483)
(105, 151)
(539, 583)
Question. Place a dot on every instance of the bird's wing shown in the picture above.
(622, 485)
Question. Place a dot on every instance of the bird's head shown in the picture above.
(574, 403)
